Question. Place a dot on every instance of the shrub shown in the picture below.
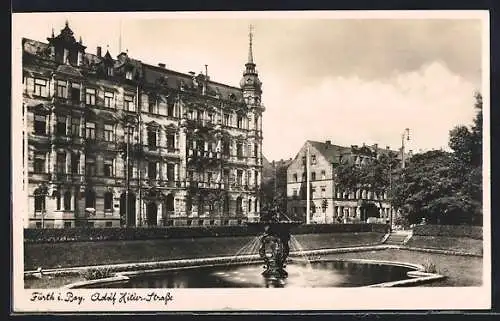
(52, 235)
(97, 273)
(429, 267)
(474, 232)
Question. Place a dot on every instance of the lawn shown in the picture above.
(459, 270)
(70, 254)
(460, 244)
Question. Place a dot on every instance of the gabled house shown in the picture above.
(329, 203)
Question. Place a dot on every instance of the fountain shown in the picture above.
(275, 244)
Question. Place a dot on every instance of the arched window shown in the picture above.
(39, 203)
(90, 199)
(67, 201)
(108, 201)
(363, 194)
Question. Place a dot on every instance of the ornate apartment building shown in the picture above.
(329, 203)
(115, 141)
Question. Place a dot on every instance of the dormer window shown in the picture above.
(65, 56)
(109, 71)
(128, 74)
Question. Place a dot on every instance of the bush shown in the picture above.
(52, 235)
(97, 273)
(429, 267)
(474, 232)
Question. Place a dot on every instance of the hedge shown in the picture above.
(49, 235)
(474, 232)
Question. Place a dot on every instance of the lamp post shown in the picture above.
(404, 136)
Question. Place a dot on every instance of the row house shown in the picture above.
(117, 142)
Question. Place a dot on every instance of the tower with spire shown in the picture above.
(250, 83)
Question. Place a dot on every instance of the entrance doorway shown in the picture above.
(151, 213)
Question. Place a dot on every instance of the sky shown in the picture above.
(350, 80)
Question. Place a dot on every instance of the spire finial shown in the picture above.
(250, 37)
(66, 23)
(52, 32)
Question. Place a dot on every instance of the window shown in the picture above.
(38, 224)
(200, 144)
(303, 160)
(209, 177)
(256, 122)
(256, 150)
(75, 93)
(128, 103)
(108, 201)
(256, 178)
(295, 179)
(90, 96)
(67, 201)
(313, 191)
(323, 174)
(249, 205)
(108, 133)
(61, 163)
(75, 127)
(90, 166)
(108, 167)
(108, 99)
(313, 159)
(170, 172)
(61, 89)
(40, 124)
(39, 163)
(152, 105)
(239, 205)
(61, 125)
(211, 117)
(90, 224)
(239, 150)
(190, 175)
(109, 71)
(128, 75)
(40, 88)
(67, 224)
(152, 138)
(170, 110)
(109, 224)
(240, 122)
(294, 193)
(227, 120)
(90, 130)
(152, 170)
(58, 201)
(171, 142)
(199, 115)
(225, 148)
(89, 199)
(323, 192)
(75, 163)
(313, 176)
(39, 203)
(239, 177)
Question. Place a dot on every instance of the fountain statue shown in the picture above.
(275, 244)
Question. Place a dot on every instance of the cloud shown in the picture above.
(350, 110)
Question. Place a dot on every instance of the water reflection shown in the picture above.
(316, 274)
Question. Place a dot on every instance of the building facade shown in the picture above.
(118, 142)
(329, 203)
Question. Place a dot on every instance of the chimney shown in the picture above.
(161, 65)
(387, 147)
(328, 142)
(98, 52)
(375, 146)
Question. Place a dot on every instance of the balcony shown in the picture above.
(68, 178)
(62, 101)
(34, 138)
(204, 185)
(161, 151)
(39, 177)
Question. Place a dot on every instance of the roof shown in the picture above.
(332, 152)
(152, 74)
